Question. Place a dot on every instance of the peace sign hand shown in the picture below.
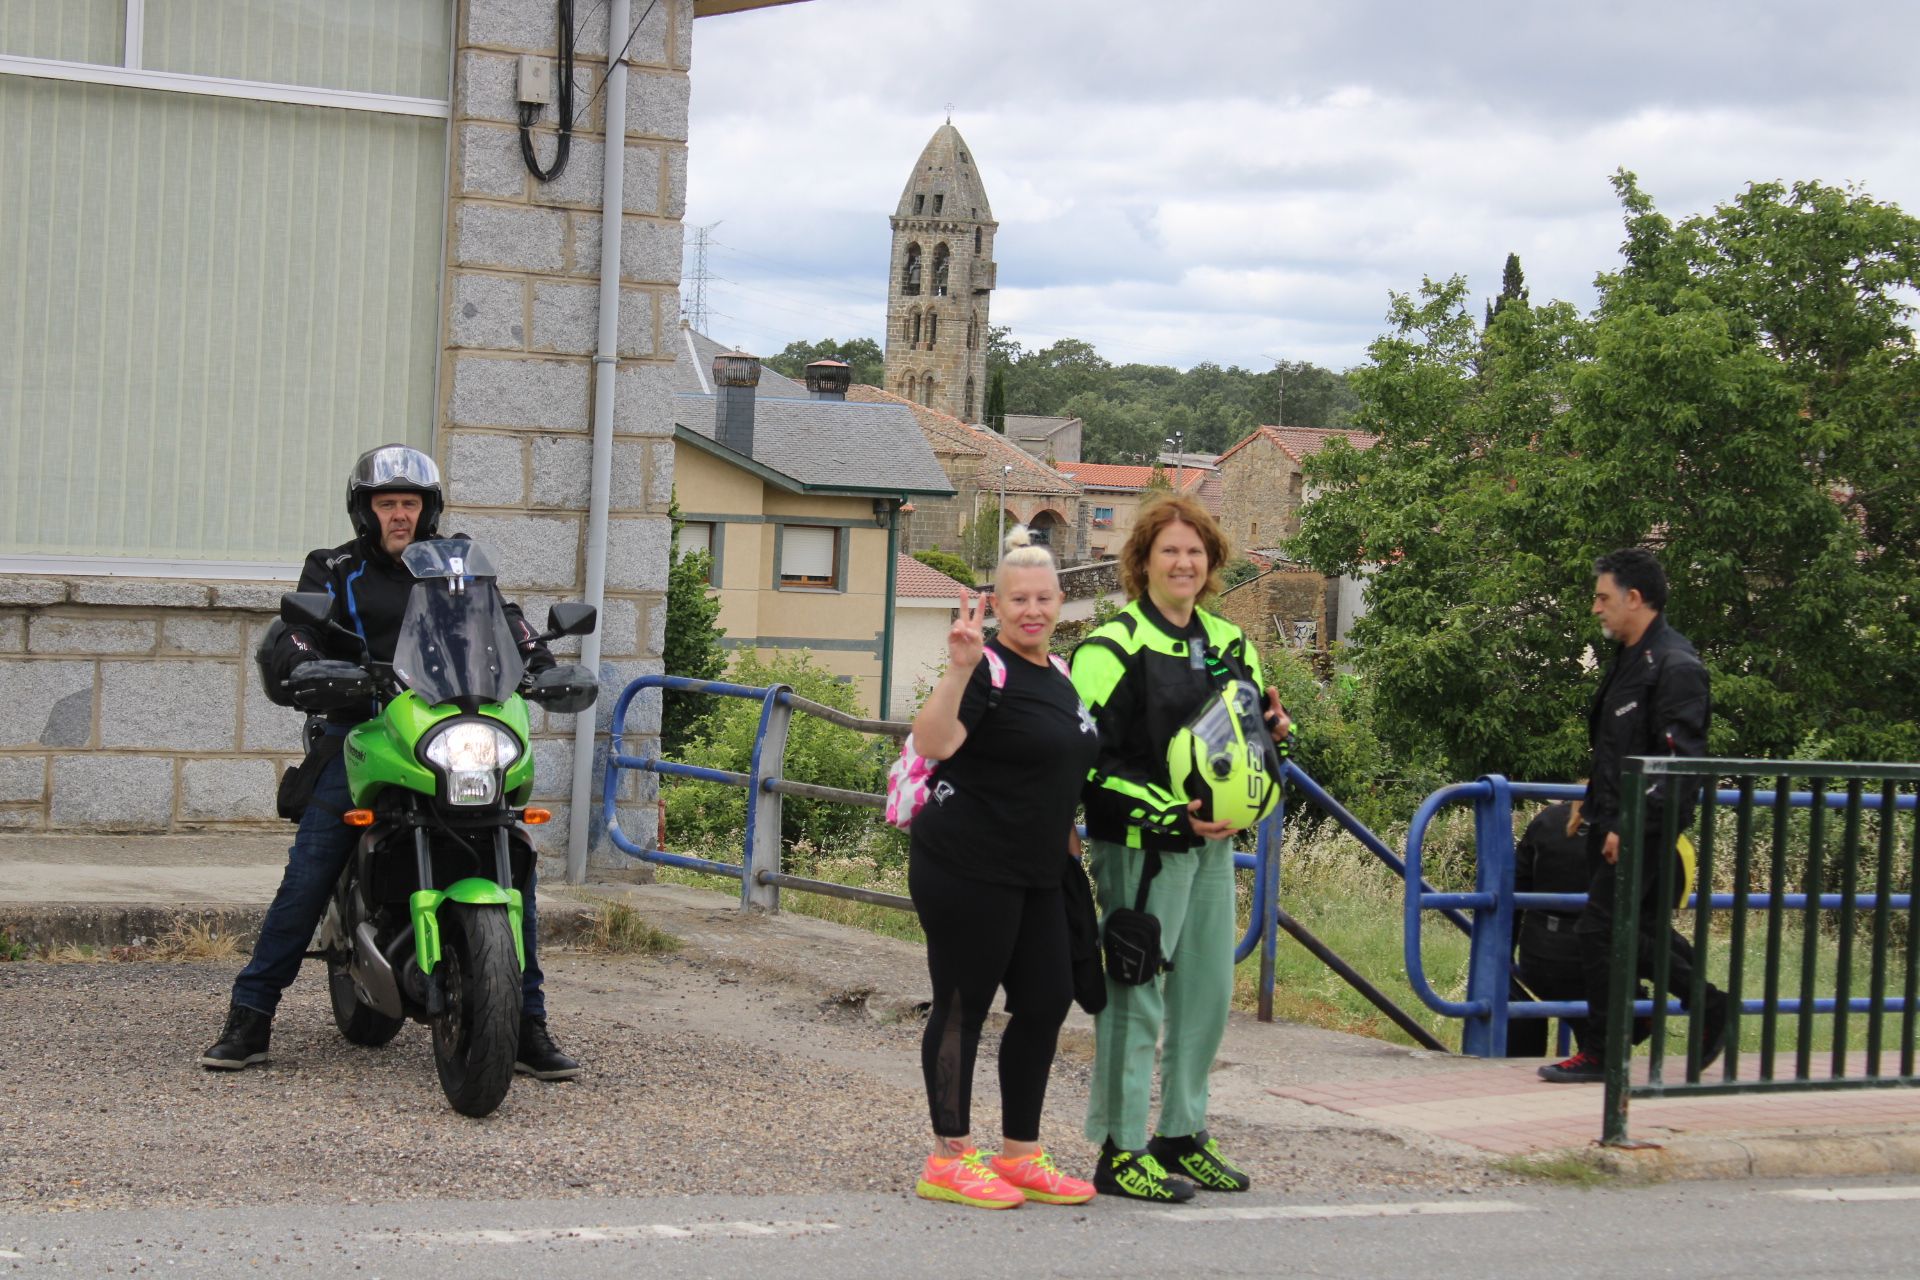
(967, 636)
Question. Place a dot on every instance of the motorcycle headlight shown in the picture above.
(472, 753)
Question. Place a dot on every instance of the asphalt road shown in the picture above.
(1700, 1230)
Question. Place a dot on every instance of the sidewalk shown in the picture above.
(111, 890)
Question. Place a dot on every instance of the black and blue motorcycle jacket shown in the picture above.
(369, 590)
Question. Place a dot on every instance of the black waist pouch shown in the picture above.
(297, 783)
(1132, 939)
(1083, 938)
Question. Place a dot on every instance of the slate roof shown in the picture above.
(923, 582)
(947, 434)
(1301, 443)
(817, 446)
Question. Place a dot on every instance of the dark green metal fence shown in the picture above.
(1809, 879)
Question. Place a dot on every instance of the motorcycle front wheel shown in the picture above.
(358, 1021)
(476, 1039)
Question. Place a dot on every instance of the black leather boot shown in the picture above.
(242, 1042)
(539, 1056)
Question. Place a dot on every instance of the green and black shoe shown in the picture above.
(1136, 1175)
(1199, 1158)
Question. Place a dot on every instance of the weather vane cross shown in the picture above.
(949, 113)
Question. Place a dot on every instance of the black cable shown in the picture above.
(616, 57)
(530, 111)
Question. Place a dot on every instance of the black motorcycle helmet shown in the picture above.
(393, 468)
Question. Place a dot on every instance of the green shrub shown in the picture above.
(817, 751)
(948, 563)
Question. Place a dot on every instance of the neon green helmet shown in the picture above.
(1224, 757)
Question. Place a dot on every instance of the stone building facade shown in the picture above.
(129, 703)
(939, 282)
(1262, 484)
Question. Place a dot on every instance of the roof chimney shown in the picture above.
(735, 375)
(829, 379)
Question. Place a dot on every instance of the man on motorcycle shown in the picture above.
(393, 499)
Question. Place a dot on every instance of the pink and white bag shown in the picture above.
(910, 780)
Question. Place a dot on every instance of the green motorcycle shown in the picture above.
(425, 922)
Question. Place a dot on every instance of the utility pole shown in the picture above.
(999, 548)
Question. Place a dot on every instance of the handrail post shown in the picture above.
(1490, 947)
(1266, 878)
(1623, 951)
(762, 838)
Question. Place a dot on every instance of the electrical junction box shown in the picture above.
(536, 79)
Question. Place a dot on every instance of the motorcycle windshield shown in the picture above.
(454, 643)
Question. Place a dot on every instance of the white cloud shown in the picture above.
(1233, 181)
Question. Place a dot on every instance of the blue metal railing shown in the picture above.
(761, 875)
(1489, 1008)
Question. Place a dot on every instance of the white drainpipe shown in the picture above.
(606, 362)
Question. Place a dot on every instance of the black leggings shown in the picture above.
(980, 937)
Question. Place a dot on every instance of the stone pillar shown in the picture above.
(523, 261)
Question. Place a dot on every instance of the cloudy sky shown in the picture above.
(1245, 180)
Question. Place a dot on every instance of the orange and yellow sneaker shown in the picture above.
(1039, 1178)
(966, 1179)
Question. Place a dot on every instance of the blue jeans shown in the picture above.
(320, 850)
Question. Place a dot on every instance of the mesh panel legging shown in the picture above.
(980, 937)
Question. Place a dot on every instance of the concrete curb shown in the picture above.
(1808, 1153)
(104, 927)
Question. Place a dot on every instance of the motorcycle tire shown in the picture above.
(358, 1021)
(478, 1036)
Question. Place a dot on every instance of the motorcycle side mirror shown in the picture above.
(328, 684)
(569, 618)
(306, 608)
(566, 689)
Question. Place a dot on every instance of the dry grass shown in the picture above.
(620, 930)
(185, 942)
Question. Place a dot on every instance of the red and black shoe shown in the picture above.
(1581, 1068)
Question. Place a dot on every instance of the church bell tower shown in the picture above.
(940, 281)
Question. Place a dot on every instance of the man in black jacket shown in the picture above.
(1654, 701)
(393, 499)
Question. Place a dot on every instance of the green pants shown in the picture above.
(1193, 899)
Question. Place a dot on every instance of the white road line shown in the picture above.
(1430, 1208)
(605, 1234)
(1851, 1193)
(8, 1253)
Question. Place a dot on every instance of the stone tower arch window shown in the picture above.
(968, 415)
(910, 277)
(973, 332)
(940, 256)
(933, 329)
(927, 391)
(938, 200)
(916, 326)
(976, 239)
(919, 203)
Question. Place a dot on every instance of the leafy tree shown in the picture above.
(1742, 398)
(997, 401)
(980, 542)
(1513, 288)
(946, 562)
(864, 354)
(693, 639)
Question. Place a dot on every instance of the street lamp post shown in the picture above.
(1006, 469)
(1176, 442)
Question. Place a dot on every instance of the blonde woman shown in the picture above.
(984, 872)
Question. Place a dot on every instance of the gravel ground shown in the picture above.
(696, 1081)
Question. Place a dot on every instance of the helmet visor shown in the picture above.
(395, 466)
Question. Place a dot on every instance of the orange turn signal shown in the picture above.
(358, 817)
(534, 817)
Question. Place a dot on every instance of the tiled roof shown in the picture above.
(1135, 479)
(820, 444)
(919, 581)
(947, 434)
(1301, 443)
